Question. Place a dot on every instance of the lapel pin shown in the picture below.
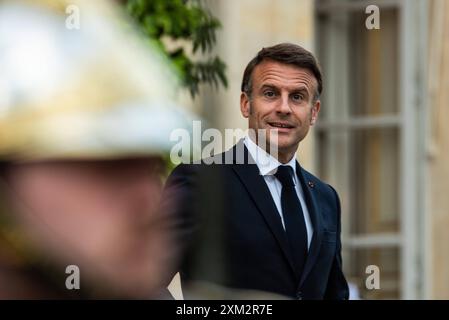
(311, 184)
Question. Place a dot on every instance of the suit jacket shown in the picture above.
(233, 234)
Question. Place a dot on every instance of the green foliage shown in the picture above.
(189, 24)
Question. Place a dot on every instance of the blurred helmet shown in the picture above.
(77, 82)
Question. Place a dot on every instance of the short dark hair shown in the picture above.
(287, 53)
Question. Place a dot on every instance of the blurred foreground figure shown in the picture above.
(85, 120)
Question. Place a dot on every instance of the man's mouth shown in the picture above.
(281, 125)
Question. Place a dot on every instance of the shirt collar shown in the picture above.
(266, 163)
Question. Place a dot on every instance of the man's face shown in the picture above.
(282, 100)
(99, 215)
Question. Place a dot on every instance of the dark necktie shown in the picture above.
(295, 226)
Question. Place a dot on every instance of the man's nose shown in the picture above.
(283, 106)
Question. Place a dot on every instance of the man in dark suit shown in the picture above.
(254, 218)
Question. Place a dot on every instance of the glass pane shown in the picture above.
(386, 259)
(360, 66)
(374, 59)
(363, 165)
(374, 184)
(333, 150)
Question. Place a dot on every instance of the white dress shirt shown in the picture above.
(268, 165)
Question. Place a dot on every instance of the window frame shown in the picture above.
(411, 124)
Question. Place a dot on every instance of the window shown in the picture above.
(367, 142)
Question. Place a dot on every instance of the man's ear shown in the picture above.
(244, 104)
(315, 111)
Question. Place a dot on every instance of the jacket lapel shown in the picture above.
(258, 190)
(315, 216)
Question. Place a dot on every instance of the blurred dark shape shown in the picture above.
(85, 119)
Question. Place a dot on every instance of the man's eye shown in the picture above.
(269, 94)
(297, 97)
